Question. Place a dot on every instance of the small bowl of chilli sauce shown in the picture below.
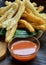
(24, 49)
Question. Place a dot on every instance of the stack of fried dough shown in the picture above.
(21, 14)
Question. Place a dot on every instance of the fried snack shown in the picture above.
(17, 16)
(34, 4)
(36, 8)
(43, 14)
(40, 8)
(23, 15)
(27, 25)
(39, 27)
(32, 8)
(13, 11)
(6, 14)
(17, 1)
(28, 10)
(10, 34)
(9, 14)
(8, 3)
(2, 11)
(6, 23)
(32, 18)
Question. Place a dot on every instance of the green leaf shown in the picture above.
(20, 33)
(2, 31)
(25, 33)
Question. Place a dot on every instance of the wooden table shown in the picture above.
(40, 58)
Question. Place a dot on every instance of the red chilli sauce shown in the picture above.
(24, 50)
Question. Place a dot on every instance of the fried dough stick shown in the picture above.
(32, 8)
(10, 34)
(13, 11)
(43, 14)
(40, 8)
(39, 27)
(24, 15)
(17, 16)
(4, 16)
(32, 18)
(28, 10)
(17, 1)
(8, 2)
(34, 4)
(8, 14)
(1, 9)
(11, 22)
(27, 25)
(4, 9)
(12, 30)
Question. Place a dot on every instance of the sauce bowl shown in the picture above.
(24, 57)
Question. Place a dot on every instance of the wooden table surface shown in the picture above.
(40, 58)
